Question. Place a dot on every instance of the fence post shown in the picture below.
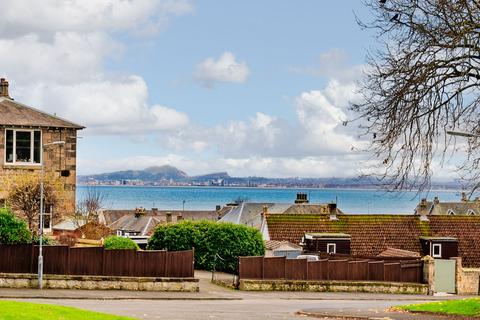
(103, 261)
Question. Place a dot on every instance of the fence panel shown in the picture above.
(376, 271)
(16, 258)
(55, 259)
(318, 270)
(119, 263)
(151, 263)
(296, 269)
(393, 272)
(412, 272)
(86, 261)
(353, 270)
(179, 264)
(250, 267)
(338, 269)
(357, 270)
(274, 268)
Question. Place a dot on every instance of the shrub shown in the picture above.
(12, 229)
(227, 240)
(116, 242)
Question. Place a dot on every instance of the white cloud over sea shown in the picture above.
(55, 57)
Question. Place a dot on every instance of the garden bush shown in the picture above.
(218, 244)
(116, 242)
(12, 229)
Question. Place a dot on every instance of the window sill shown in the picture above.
(16, 166)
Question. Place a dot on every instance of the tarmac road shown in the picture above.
(232, 309)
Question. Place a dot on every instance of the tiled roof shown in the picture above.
(393, 252)
(372, 234)
(273, 245)
(250, 213)
(16, 114)
(447, 208)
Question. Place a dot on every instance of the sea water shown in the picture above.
(207, 198)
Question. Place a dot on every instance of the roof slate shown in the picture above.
(14, 114)
(372, 234)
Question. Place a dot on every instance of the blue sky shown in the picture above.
(248, 87)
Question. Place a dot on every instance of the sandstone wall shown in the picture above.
(56, 159)
(24, 281)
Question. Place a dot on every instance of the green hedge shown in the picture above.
(116, 243)
(12, 229)
(227, 240)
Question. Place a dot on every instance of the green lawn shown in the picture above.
(465, 307)
(10, 310)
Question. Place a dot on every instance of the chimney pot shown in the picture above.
(436, 200)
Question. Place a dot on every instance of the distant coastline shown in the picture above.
(270, 187)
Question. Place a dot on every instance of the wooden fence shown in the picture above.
(96, 261)
(280, 268)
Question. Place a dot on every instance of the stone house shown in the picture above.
(24, 131)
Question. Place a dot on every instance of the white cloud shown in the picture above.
(225, 69)
(54, 57)
(317, 130)
(332, 64)
(118, 106)
(18, 17)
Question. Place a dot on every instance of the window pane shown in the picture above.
(47, 221)
(36, 146)
(9, 146)
(23, 147)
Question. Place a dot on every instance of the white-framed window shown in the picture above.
(436, 250)
(470, 212)
(331, 248)
(23, 146)
(450, 212)
(119, 233)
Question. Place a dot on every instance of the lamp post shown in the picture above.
(42, 177)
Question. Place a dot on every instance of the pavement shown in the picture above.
(216, 302)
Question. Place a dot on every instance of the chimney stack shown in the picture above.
(436, 200)
(423, 202)
(4, 88)
(464, 197)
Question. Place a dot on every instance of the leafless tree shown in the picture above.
(89, 206)
(422, 81)
(23, 196)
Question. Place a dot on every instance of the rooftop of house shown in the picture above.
(250, 213)
(274, 245)
(373, 234)
(69, 225)
(15, 114)
(436, 207)
(394, 252)
(145, 223)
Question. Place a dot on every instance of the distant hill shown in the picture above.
(150, 174)
(213, 176)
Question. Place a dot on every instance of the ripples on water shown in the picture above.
(206, 198)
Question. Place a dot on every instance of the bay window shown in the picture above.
(23, 146)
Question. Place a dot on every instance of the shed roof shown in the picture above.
(15, 114)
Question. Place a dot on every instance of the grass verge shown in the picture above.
(465, 307)
(10, 310)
